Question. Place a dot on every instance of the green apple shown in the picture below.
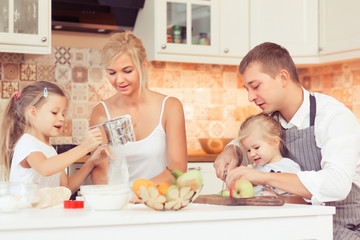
(172, 193)
(192, 179)
(242, 188)
(224, 193)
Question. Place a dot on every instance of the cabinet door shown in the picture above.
(339, 30)
(25, 26)
(187, 26)
(234, 28)
(292, 24)
(211, 183)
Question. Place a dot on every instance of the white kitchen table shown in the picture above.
(197, 221)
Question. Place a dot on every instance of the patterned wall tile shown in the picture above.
(200, 112)
(62, 56)
(217, 96)
(46, 72)
(172, 79)
(28, 72)
(79, 56)
(187, 79)
(23, 84)
(63, 74)
(9, 88)
(61, 140)
(216, 80)
(157, 65)
(67, 128)
(156, 78)
(356, 94)
(11, 71)
(356, 77)
(202, 96)
(11, 57)
(231, 129)
(216, 129)
(215, 112)
(230, 80)
(1, 71)
(94, 57)
(230, 96)
(189, 112)
(79, 130)
(79, 92)
(79, 74)
(96, 74)
(81, 109)
(327, 81)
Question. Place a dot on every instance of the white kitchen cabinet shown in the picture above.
(25, 26)
(292, 24)
(339, 31)
(224, 22)
(211, 183)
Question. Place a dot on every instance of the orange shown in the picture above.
(162, 187)
(141, 182)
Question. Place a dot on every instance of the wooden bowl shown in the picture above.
(214, 145)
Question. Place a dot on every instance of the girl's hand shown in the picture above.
(93, 139)
(100, 155)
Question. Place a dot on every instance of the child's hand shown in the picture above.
(93, 139)
(99, 156)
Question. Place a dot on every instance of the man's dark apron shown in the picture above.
(303, 150)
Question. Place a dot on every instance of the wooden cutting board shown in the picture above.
(254, 201)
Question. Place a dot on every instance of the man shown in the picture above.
(322, 136)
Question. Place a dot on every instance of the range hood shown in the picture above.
(95, 16)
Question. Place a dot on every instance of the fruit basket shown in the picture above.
(163, 197)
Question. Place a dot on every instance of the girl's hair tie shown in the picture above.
(46, 94)
(17, 95)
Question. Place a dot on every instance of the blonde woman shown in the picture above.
(158, 120)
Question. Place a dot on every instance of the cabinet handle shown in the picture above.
(195, 168)
(44, 39)
(163, 46)
(226, 50)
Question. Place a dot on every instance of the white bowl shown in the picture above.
(15, 196)
(106, 197)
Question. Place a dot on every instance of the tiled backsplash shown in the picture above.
(215, 103)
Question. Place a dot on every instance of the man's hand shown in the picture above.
(228, 159)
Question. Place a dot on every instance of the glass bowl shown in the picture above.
(15, 196)
(106, 197)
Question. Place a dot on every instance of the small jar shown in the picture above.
(203, 39)
(177, 33)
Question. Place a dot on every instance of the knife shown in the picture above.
(223, 185)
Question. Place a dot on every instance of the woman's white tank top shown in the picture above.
(146, 158)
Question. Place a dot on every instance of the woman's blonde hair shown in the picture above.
(265, 125)
(15, 120)
(128, 43)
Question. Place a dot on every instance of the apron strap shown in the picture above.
(312, 110)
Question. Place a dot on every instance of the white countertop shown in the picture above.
(195, 216)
